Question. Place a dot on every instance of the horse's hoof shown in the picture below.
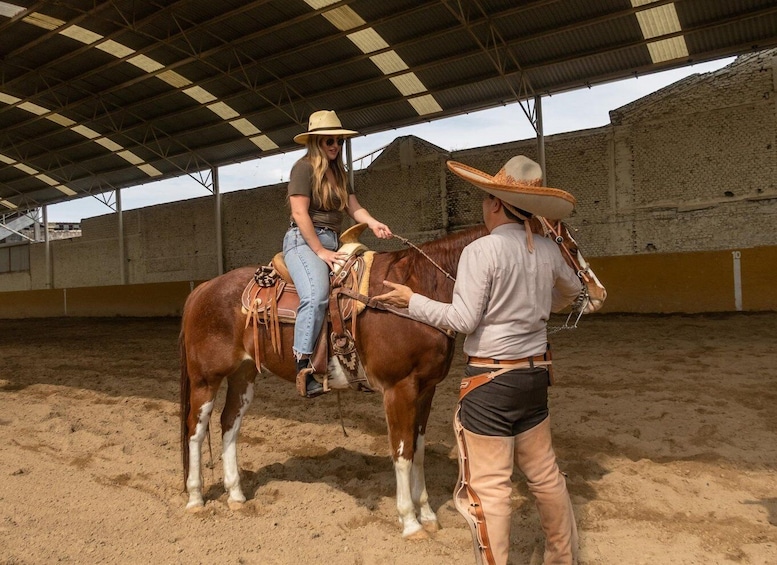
(418, 535)
(235, 505)
(431, 526)
(195, 503)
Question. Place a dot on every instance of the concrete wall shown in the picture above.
(688, 282)
(158, 299)
(666, 192)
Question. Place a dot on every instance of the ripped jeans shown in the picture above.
(311, 277)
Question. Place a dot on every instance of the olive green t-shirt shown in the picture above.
(301, 182)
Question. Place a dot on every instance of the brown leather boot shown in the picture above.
(486, 472)
(535, 458)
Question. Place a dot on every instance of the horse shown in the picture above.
(216, 344)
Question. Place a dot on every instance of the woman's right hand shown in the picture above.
(331, 258)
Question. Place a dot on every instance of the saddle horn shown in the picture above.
(351, 235)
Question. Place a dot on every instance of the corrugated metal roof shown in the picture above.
(99, 95)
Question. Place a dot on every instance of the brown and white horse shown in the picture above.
(216, 345)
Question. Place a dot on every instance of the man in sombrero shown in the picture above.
(507, 284)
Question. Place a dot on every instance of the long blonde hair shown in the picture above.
(325, 195)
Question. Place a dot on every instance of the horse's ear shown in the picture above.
(351, 235)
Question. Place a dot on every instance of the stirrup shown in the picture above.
(307, 385)
(302, 380)
(313, 388)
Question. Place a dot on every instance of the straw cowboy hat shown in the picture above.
(519, 184)
(324, 122)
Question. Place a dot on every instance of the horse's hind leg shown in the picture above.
(201, 402)
(240, 393)
(418, 491)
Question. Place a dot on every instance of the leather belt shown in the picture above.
(489, 361)
(502, 366)
(293, 224)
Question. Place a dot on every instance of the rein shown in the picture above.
(577, 308)
(414, 246)
(555, 233)
(370, 302)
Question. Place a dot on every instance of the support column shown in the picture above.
(540, 136)
(444, 194)
(36, 235)
(737, 255)
(47, 246)
(219, 241)
(122, 254)
(349, 162)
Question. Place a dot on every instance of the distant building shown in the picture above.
(10, 230)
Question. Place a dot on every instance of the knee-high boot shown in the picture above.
(535, 458)
(482, 494)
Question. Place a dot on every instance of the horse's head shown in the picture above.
(594, 294)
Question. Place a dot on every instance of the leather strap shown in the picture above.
(401, 312)
(500, 362)
(474, 514)
(468, 384)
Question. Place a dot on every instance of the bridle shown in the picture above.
(578, 263)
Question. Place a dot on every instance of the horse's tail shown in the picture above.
(185, 406)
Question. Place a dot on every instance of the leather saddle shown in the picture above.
(270, 299)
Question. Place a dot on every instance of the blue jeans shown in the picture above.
(311, 277)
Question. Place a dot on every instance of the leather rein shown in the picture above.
(554, 232)
(414, 246)
(370, 302)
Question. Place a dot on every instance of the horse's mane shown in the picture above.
(446, 252)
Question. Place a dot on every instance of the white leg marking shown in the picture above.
(401, 448)
(194, 481)
(402, 470)
(418, 485)
(229, 451)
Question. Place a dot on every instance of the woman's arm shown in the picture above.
(362, 216)
(300, 206)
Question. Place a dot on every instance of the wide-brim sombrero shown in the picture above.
(324, 122)
(519, 184)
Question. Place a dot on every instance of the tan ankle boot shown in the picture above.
(535, 458)
(483, 493)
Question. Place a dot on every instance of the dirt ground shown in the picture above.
(664, 425)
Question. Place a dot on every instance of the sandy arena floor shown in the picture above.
(664, 425)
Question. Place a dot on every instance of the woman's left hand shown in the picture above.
(380, 230)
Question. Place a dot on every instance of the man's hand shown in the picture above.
(399, 296)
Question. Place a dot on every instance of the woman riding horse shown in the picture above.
(318, 194)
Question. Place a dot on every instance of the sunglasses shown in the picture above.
(331, 141)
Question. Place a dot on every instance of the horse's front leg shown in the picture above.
(418, 491)
(240, 393)
(399, 402)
